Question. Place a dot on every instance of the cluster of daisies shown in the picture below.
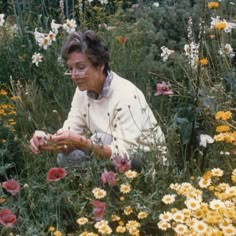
(214, 216)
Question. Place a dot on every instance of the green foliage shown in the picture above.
(42, 95)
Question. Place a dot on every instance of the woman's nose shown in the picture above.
(74, 73)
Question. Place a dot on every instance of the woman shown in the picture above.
(109, 115)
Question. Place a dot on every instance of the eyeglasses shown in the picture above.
(78, 73)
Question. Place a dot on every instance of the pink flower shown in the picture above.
(99, 209)
(55, 174)
(11, 186)
(7, 218)
(108, 177)
(163, 89)
(122, 164)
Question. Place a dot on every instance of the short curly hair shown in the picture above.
(90, 44)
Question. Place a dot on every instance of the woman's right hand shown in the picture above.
(38, 141)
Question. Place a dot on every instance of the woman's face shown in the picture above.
(84, 74)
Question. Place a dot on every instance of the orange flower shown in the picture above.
(213, 5)
(222, 128)
(203, 61)
(3, 92)
(221, 115)
(121, 39)
(221, 25)
(207, 175)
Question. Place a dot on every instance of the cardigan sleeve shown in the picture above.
(75, 120)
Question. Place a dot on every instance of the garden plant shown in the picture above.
(181, 54)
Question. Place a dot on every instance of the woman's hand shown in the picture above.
(67, 140)
(39, 141)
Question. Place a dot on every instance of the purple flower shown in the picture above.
(99, 209)
(122, 164)
(109, 177)
(163, 89)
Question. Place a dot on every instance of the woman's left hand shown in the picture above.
(67, 140)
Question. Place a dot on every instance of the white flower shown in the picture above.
(214, 20)
(55, 27)
(227, 50)
(205, 139)
(166, 53)
(156, 4)
(200, 227)
(36, 58)
(38, 36)
(52, 36)
(69, 26)
(217, 172)
(229, 27)
(204, 183)
(2, 19)
(168, 198)
(103, 1)
(181, 229)
(192, 204)
(216, 204)
(45, 42)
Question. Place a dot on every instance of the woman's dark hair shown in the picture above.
(90, 44)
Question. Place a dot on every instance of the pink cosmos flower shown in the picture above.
(108, 177)
(11, 186)
(55, 174)
(99, 209)
(163, 89)
(122, 164)
(7, 218)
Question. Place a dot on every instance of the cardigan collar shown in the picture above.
(105, 89)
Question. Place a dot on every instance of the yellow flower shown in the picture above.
(227, 115)
(51, 229)
(220, 137)
(207, 175)
(222, 128)
(213, 5)
(120, 229)
(115, 218)
(2, 200)
(122, 198)
(220, 25)
(221, 115)
(3, 92)
(131, 174)
(203, 61)
(15, 98)
(142, 215)
(82, 221)
(211, 188)
(233, 177)
(125, 188)
(128, 210)
(132, 224)
(57, 233)
(121, 223)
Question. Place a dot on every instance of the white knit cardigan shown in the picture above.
(123, 115)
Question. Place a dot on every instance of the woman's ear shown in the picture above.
(102, 68)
